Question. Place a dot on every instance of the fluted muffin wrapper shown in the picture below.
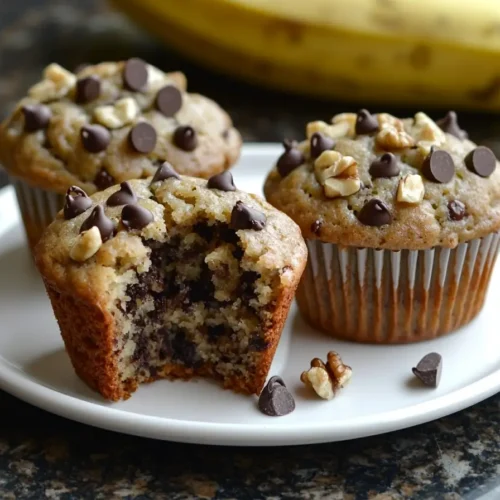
(384, 296)
(38, 208)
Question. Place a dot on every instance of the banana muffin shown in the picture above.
(170, 277)
(401, 218)
(106, 124)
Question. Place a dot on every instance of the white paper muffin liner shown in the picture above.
(385, 296)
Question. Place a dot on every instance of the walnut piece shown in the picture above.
(411, 189)
(86, 245)
(335, 131)
(349, 118)
(390, 138)
(121, 113)
(337, 173)
(335, 188)
(56, 83)
(426, 130)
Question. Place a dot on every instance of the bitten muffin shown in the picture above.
(401, 218)
(170, 277)
(106, 124)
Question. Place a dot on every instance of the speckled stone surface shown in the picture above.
(44, 456)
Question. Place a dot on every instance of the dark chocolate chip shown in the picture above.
(99, 219)
(275, 400)
(481, 161)
(375, 213)
(103, 180)
(450, 125)
(319, 143)
(290, 159)
(429, 369)
(366, 123)
(165, 171)
(76, 202)
(185, 138)
(168, 100)
(244, 217)
(142, 137)
(135, 74)
(456, 210)
(223, 182)
(316, 227)
(36, 117)
(95, 138)
(184, 350)
(385, 166)
(124, 196)
(438, 166)
(88, 89)
(136, 217)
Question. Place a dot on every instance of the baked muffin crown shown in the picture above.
(378, 181)
(104, 124)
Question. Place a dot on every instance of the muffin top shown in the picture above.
(378, 181)
(113, 122)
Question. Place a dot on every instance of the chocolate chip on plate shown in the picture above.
(481, 161)
(320, 143)
(135, 74)
(87, 89)
(456, 210)
(450, 125)
(124, 196)
(366, 123)
(165, 171)
(36, 117)
(385, 166)
(375, 213)
(103, 180)
(168, 100)
(99, 219)
(290, 159)
(142, 137)
(429, 369)
(244, 217)
(76, 202)
(275, 400)
(223, 181)
(438, 166)
(136, 217)
(185, 138)
(316, 227)
(95, 138)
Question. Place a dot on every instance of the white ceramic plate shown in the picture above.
(382, 396)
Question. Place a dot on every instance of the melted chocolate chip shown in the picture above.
(244, 217)
(222, 182)
(103, 180)
(385, 166)
(481, 161)
(366, 123)
(320, 143)
(375, 213)
(456, 210)
(275, 400)
(135, 74)
(124, 196)
(142, 137)
(290, 159)
(316, 227)
(99, 219)
(136, 217)
(88, 89)
(438, 166)
(36, 117)
(185, 138)
(165, 171)
(429, 369)
(95, 138)
(168, 100)
(76, 202)
(450, 125)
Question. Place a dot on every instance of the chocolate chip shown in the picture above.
(135, 74)
(124, 196)
(103, 180)
(481, 161)
(366, 123)
(76, 202)
(185, 138)
(99, 219)
(320, 143)
(429, 369)
(385, 166)
(165, 171)
(450, 125)
(95, 138)
(316, 227)
(244, 217)
(36, 117)
(142, 137)
(456, 210)
(168, 100)
(136, 217)
(375, 213)
(223, 182)
(438, 166)
(290, 159)
(88, 89)
(275, 400)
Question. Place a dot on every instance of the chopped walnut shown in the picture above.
(335, 131)
(337, 173)
(121, 113)
(426, 130)
(86, 245)
(56, 83)
(386, 120)
(390, 138)
(349, 118)
(411, 189)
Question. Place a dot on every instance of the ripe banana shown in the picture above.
(419, 53)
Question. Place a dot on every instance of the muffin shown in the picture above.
(106, 124)
(171, 277)
(401, 219)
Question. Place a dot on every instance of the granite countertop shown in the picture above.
(44, 456)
